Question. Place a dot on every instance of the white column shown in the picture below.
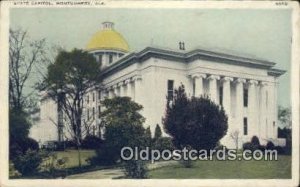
(239, 106)
(122, 89)
(263, 110)
(128, 88)
(227, 95)
(213, 87)
(137, 88)
(198, 81)
(252, 108)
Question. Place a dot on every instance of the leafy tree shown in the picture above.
(198, 123)
(123, 124)
(68, 80)
(284, 117)
(157, 133)
(148, 138)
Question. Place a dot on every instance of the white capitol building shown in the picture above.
(245, 87)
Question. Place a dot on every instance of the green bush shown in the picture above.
(92, 142)
(136, 169)
(28, 163)
(163, 143)
(255, 141)
(270, 145)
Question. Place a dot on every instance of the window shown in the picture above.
(99, 94)
(99, 111)
(87, 99)
(221, 95)
(93, 112)
(194, 88)
(245, 126)
(100, 59)
(245, 97)
(93, 96)
(110, 58)
(170, 89)
(88, 114)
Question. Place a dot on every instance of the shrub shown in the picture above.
(197, 122)
(105, 156)
(163, 143)
(20, 146)
(255, 141)
(136, 169)
(250, 146)
(270, 145)
(158, 132)
(28, 163)
(92, 142)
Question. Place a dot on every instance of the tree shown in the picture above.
(284, 117)
(123, 127)
(157, 133)
(148, 137)
(198, 123)
(68, 80)
(23, 56)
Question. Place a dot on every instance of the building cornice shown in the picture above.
(189, 56)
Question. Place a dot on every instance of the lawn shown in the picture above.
(280, 169)
(72, 156)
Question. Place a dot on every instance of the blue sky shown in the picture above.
(262, 34)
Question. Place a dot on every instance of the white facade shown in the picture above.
(144, 77)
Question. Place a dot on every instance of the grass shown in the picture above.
(72, 156)
(280, 169)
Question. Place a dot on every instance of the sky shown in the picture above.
(261, 33)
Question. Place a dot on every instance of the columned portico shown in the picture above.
(213, 87)
(128, 85)
(122, 89)
(252, 108)
(263, 110)
(198, 82)
(238, 113)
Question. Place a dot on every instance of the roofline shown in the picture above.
(187, 57)
(276, 72)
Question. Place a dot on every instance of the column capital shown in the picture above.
(225, 79)
(263, 83)
(136, 78)
(198, 75)
(240, 80)
(254, 82)
(211, 77)
(127, 81)
(120, 84)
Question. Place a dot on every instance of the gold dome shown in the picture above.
(108, 39)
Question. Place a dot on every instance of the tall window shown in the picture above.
(194, 88)
(245, 97)
(245, 126)
(93, 113)
(99, 111)
(87, 99)
(88, 114)
(221, 95)
(110, 58)
(170, 89)
(99, 94)
(100, 59)
(93, 96)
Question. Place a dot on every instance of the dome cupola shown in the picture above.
(107, 39)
